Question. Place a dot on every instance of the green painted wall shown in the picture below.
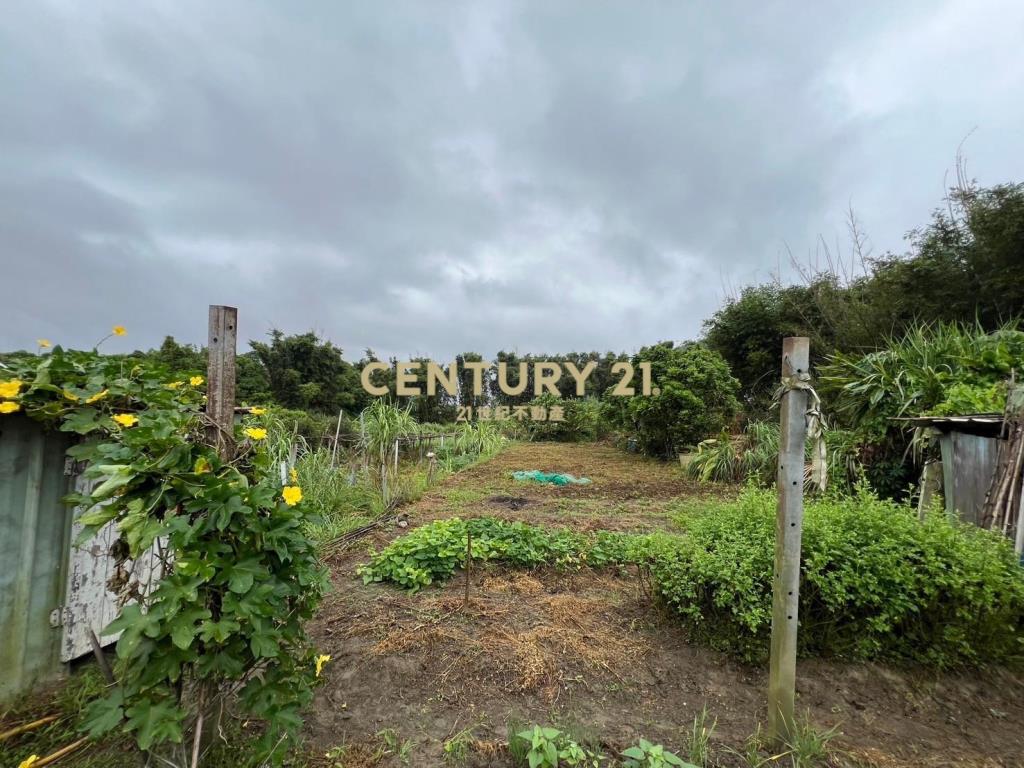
(35, 529)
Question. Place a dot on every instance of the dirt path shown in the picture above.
(590, 651)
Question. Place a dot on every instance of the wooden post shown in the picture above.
(220, 379)
(788, 528)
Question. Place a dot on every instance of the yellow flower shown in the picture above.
(71, 396)
(126, 419)
(174, 384)
(97, 396)
(8, 407)
(29, 761)
(322, 659)
(293, 475)
(256, 433)
(257, 411)
(291, 494)
(44, 343)
(118, 330)
(202, 466)
(196, 381)
(10, 388)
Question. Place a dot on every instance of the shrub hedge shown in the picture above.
(876, 583)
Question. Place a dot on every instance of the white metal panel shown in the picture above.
(89, 603)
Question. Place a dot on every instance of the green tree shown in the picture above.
(252, 385)
(697, 398)
(180, 358)
(309, 373)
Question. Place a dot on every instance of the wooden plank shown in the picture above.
(1018, 541)
(788, 531)
(220, 378)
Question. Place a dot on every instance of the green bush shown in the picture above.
(876, 583)
(696, 398)
(581, 419)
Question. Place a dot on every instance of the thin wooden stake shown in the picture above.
(337, 434)
(788, 530)
(469, 560)
(220, 379)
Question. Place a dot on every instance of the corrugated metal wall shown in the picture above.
(35, 530)
(968, 463)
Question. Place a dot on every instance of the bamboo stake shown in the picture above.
(469, 560)
(63, 752)
(337, 432)
(28, 727)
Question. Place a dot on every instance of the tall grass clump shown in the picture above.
(935, 368)
(340, 498)
(876, 582)
(752, 456)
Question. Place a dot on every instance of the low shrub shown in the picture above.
(432, 552)
(877, 583)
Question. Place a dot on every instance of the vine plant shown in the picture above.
(236, 576)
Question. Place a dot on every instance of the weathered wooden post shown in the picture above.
(788, 528)
(220, 379)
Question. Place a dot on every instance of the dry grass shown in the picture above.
(511, 633)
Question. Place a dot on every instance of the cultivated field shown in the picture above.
(430, 679)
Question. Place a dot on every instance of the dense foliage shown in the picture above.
(962, 267)
(934, 369)
(309, 373)
(696, 398)
(239, 578)
(876, 583)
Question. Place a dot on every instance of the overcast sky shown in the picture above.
(427, 177)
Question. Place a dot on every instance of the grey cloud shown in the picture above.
(425, 178)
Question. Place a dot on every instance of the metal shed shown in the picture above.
(970, 454)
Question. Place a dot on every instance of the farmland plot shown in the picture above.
(432, 678)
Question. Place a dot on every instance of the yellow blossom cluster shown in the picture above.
(10, 389)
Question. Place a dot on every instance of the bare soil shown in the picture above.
(590, 651)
